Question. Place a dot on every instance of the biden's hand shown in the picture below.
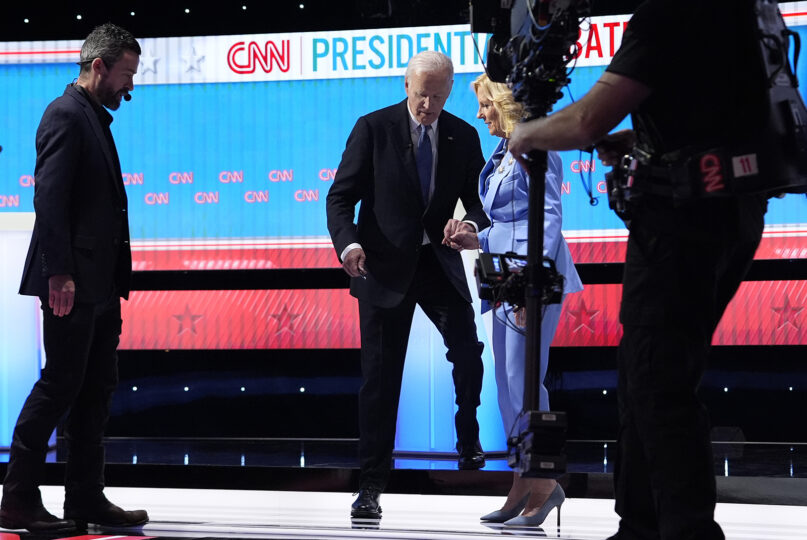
(355, 263)
(61, 294)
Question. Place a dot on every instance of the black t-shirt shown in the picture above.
(698, 57)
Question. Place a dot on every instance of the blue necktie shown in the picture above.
(424, 161)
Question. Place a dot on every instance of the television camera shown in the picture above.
(532, 44)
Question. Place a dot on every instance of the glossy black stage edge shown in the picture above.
(750, 392)
(335, 278)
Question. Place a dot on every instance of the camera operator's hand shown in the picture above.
(611, 148)
(454, 226)
(354, 263)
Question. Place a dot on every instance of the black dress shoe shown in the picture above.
(35, 520)
(366, 504)
(471, 456)
(105, 514)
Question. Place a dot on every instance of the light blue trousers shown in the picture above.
(508, 355)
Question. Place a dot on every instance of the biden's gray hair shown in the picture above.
(430, 62)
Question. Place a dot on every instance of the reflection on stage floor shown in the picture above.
(208, 513)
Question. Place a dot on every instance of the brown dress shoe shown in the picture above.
(104, 514)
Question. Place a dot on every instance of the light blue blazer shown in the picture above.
(504, 189)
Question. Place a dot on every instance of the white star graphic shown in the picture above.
(148, 62)
(194, 62)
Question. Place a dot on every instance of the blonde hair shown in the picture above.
(509, 110)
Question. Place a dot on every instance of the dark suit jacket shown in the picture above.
(378, 168)
(81, 225)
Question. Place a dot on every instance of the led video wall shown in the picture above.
(230, 144)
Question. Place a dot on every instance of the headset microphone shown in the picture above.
(126, 96)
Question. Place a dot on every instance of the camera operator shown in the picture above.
(682, 73)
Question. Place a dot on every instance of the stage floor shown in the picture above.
(302, 490)
(208, 513)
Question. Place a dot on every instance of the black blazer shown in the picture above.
(81, 225)
(378, 168)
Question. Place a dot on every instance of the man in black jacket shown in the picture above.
(408, 165)
(79, 264)
(686, 256)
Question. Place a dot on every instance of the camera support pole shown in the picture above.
(537, 161)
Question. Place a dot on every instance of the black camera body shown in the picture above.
(537, 451)
(531, 46)
(501, 277)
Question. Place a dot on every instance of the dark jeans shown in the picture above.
(683, 265)
(384, 337)
(80, 374)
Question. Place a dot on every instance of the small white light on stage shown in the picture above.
(132, 13)
(78, 17)
(302, 6)
(186, 459)
(134, 459)
(243, 461)
(302, 389)
(244, 8)
(725, 466)
(26, 21)
(187, 10)
(186, 388)
(134, 389)
(790, 388)
(605, 392)
(243, 389)
(605, 445)
(725, 389)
